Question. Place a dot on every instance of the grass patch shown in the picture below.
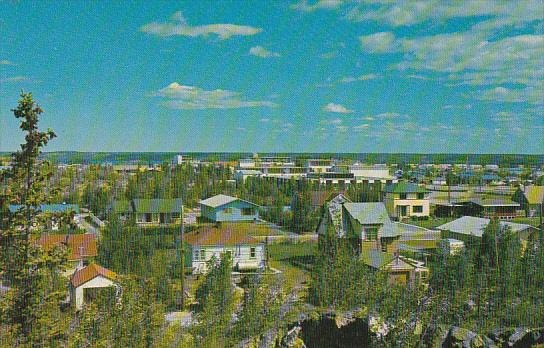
(295, 260)
(431, 223)
(533, 221)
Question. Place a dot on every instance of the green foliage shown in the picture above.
(31, 307)
(216, 301)
(130, 319)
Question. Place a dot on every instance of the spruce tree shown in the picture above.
(31, 306)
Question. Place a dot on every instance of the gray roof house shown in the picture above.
(470, 227)
(370, 225)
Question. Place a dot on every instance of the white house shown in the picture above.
(233, 239)
(242, 174)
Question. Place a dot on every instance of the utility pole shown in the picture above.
(182, 260)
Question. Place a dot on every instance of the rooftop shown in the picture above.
(226, 234)
(158, 205)
(80, 245)
(373, 213)
(219, 200)
(90, 272)
(475, 226)
(50, 208)
(404, 187)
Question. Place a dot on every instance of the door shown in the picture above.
(403, 211)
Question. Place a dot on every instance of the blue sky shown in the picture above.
(317, 76)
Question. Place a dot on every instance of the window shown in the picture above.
(420, 195)
(196, 254)
(238, 251)
(247, 211)
(202, 255)
(371, 233)
(402, 195)
(252, 252)
(384, 247)
(227, 210)
(417, 209)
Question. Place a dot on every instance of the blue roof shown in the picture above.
(50, 208)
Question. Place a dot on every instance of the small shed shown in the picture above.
(91, 277)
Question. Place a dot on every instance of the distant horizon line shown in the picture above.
(295, 152)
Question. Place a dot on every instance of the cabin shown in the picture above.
(81, 247)
(149, 212)
(368, 226)
(501, 208)
(400, 270)
(405, 200)
(60, 215)
(471, 229)
(86, 281)
(530, 198)
(158, 211)
(223, 208)
(234, 239)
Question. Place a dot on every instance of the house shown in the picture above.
(85, 281)
(470, 228)
(226, 208)
(242, 174)
(149, 212)
(81, 247)
(55, 212)
(504, 209)
(405, 199)
(225, 238)
(332, 215)
(530, 199)
(401, 270)
(372, 173)
(452, 246)
(157, 211)
(439, 181)
(368, 226)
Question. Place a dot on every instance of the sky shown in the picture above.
(422, 76)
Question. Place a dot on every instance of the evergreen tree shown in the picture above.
(31, 307)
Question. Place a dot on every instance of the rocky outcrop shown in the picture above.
(457, 337)
(518, 337)
(463, 338)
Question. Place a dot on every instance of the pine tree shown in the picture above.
(31, 306)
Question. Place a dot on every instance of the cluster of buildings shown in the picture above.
(324, 171)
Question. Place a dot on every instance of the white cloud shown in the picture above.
(341, 128)
(533, 95)
(178, 26)
(305, 6)
(391, 115)
(366, 77)
(405, 13)
(6, 62)
(188, 97)
(361, 127)
(328, 55)
(332, 107)
(335, 121)
(368, 118)
(264, 120)
(15, 79)
(379, 42)
(262, 52)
